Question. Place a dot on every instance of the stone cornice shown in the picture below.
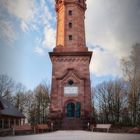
(88, 53)
(59, 5)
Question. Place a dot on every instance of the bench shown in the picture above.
(22, 128)
(5, 132)
(100, 126)
(42, 127)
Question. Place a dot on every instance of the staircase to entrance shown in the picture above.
(71, 124)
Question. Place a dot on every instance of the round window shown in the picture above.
(70, 82)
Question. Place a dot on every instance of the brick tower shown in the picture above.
(70, 91)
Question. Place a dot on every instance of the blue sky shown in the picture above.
(27, 34)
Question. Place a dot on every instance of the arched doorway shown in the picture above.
(70, 109)
(73, 109)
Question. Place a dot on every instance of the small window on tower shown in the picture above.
(70, 12)
(79, 1)
(70, 82)
(70, 37)
(70, 25)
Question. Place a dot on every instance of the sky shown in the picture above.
(28, 30)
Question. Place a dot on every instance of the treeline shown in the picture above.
(118, 101)
(33, 104)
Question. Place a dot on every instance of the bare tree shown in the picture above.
(131, 70)
(39, 106)
(110, 101)
(20, 98)
(6, 86)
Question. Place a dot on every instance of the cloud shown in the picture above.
(15, 14)
(21, 9)
(111, 66)
(49, 37)
(29, 15)
(46, 17)
(7, 32)
(39, 51)
(24, 10)
(46, 21)
(48, 41)
(24, 26)
(115, 27)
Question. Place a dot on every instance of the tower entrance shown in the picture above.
(70, 110)
(73, 110)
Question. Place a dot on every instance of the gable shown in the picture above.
(71, 74)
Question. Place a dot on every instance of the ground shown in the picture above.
(75, 135)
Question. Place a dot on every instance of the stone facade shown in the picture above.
(70, 60)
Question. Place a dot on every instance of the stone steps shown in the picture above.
(71, 124)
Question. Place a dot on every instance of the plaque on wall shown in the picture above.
(71, 90)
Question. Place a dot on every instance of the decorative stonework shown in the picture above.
(71, 59)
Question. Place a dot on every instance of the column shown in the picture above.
(9, 123)
(14, 122)
(19, 122)
(2, 123)
(23, 121)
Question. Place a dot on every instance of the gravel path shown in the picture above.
(75, 135)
